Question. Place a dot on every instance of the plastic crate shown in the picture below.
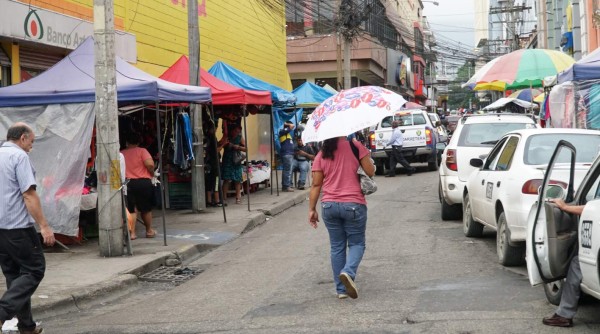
(180, 195)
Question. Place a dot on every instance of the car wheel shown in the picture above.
(553, 291)
(433, 165)
(471, 228)
(380, 167)
(449, 212)
(508, 255)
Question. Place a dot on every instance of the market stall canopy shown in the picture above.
(528, 94)
(222, 92)
(588, 68)
(72, 81)
(281, 97)
(310, 95)
(506, 100)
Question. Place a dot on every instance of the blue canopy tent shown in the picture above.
(59, 105)
(587, 68)
(310, 95)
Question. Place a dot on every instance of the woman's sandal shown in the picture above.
(151, 235)
(238, 201)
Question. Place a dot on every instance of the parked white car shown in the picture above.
(552, 234)
(474, 136)
(502, 192)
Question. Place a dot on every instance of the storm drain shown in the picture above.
(175, 275)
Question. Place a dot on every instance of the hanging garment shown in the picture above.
(183, 141)
(593, 112)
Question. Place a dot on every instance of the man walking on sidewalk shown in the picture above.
(396, 155)
(286, 152)
(21, 256)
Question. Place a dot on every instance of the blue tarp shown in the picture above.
(310, 95)
(283, 101)
(587, 68)
(72, 81)
(281, 97)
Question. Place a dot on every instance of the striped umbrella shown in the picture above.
(524, 68)
(526, 94)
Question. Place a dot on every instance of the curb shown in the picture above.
(123, 282)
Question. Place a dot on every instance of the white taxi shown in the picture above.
(555, 237)
(502, 192)
(474, 136)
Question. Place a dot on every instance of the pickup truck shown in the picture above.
(420, 139)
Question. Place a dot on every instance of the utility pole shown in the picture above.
(198, 193)
(110, 219)
(350, 18)
(512, 20)
(347, 63)
(338, 37)
(576, 30)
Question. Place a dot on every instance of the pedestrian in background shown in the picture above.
(343, 207)
(230, 171)
(140, 190)
(302, 157)
(396, 156)
(286, 152)
(21, 255)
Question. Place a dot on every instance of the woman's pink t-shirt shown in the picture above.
(134, 160)
(340, 181)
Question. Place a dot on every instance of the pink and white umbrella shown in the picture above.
(349, 111)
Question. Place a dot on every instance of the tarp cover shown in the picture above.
(60, 152)
(72, 81)
(500, 103)
(587, 68)
(310, 95)
(222, 92)
(281, 97)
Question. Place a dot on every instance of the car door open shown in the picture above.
(552, 233)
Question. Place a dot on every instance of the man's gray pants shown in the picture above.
(571, 290)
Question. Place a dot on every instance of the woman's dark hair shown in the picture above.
(329, 146)
(16, 131)
(133, 138)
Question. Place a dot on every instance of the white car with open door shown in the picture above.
(554, 237)
(502, 192)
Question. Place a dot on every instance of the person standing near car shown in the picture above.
(286, 152)
(396, 155)
(344, 208)
(571, 289)
(21, 255)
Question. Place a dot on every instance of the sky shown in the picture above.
(453, 19)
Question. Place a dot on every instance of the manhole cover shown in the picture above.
(175, 275)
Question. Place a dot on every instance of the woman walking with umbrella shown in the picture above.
(343, 205)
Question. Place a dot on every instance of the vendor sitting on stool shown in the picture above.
(302, 155)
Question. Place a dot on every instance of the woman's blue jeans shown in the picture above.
(346, 224)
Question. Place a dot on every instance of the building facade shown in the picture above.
(390, 50)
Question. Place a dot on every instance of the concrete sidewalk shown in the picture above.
(81, 276)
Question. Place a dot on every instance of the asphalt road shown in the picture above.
(418, 275)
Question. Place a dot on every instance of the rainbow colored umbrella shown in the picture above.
(526, 94)
(524, 68)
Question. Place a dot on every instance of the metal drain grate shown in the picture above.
(175, 275)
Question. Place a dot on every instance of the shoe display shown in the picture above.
(348, 282)
(557, 321)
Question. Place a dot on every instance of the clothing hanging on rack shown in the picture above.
(184, 152)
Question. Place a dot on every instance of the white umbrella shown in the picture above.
(349, 111)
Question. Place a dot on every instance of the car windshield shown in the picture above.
(406, 120)
(487, 134)
(539, 148)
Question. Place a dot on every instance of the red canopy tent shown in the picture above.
(222, 92)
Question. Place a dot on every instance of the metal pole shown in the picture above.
(338, 37)
(272, 149)
(273, 143)
(576, 30)
(110, 224)
(216, 150)
(160, 173)
(347, 64)
(247, 156)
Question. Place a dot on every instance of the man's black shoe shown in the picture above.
(557, 321)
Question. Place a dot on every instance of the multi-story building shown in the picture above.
(389, 52)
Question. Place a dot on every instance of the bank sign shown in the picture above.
(20, 21)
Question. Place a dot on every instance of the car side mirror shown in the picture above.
(477, 163)
(553, 191)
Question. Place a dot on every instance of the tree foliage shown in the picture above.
(458, 96)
